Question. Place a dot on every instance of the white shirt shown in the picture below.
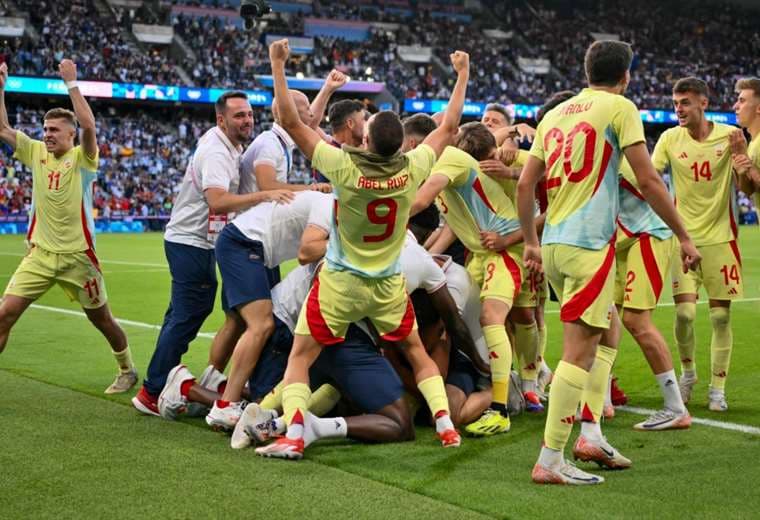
(466, 295)
(279, 226)
(215, 164)
(419, 268)
(274, 148)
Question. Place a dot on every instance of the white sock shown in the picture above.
(592, 431)
(323, 428)
(529, 386)
(669, 388)
(690, 374)
(550, 458)
(279, 425)
(443, 423)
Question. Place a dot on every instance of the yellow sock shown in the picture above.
(564, 396)
(295, 398)
(526, 344)
(273, 400)
(323, 400)
(500, 355)
(541, 342)
(720, 346)
(434, 392)
(592, 400)
(124, 359)
(686, 313)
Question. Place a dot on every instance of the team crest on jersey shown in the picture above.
(67, 164)
(719, 152)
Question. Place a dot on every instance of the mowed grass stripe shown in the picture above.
(83, 457)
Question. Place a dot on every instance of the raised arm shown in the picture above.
(306, 138)
(68, 72)
(7, 133)
(444, 134)
(427, 193)
(333, 82)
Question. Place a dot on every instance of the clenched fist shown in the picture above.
(460, 60)
(67, 69)
(279, 51)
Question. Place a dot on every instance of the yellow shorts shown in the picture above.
(499, 275)
(534, 289)
(642, 264)
(584, 280)
(77, 273)
(338, 298)
(720, 272)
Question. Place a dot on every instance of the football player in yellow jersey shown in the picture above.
(61, 231)
(473, 203)
(579, 145)
(747, 159)
(374, 189)
(698, 155)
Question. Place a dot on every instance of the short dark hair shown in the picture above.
(501, 109)
(476, 139)
(752, 84)
(419, 124)
(61, 113)
(691, 84)
(426, 220)
(221, 104)
(552, 101)
(341, 110)
(606, 62)
(386, 133)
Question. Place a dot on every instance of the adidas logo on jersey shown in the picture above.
(683, 155)
(733, 290)
(570, 419)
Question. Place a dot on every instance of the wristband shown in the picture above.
(71, 84)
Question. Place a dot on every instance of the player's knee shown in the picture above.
(493, 313)
(633, 323)
(720, 317)
(686, 313)
(523, 315)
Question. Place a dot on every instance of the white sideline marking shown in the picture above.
(671, 304)
(121, 321)
(743, 428)
(104, 261)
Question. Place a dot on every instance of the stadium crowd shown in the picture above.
(542, 29)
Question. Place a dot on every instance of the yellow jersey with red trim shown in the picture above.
(472, 202)
(753, 152)
(703, 181)
(61, 216)
(372, 201)
(636, 215)
(581, 143)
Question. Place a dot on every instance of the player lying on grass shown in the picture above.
(374, 189)
(61, 236)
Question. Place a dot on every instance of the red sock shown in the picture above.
(185, 387)
(220, 403)
(440, 413)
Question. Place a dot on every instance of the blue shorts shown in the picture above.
(271, 364)
(245, 277)
(462, 373)
(360, 373)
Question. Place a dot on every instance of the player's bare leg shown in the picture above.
(109, 327)
(430, 384)
(11, 309)
(392, 423)
(257, 316)
(223, 344)
(686, 313)
(655, 349)
(467, 408)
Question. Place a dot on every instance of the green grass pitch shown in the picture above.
(69, 451)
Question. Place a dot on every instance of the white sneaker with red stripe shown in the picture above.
(171, 402)
(283, 448)
(224, 416)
